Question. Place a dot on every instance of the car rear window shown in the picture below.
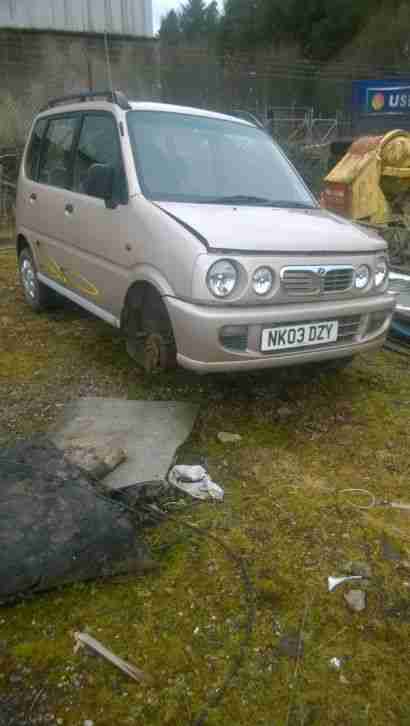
(56, 152)
(33, 153)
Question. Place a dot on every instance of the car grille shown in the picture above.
(338, 280)
(310, 280)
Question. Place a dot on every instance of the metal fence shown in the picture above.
(9, 165)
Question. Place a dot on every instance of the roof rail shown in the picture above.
(248, 116)
(116, 97)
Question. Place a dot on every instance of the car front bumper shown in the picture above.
(197, 330)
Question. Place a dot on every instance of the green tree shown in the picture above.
(320, 28)
(193, 20)
(170, 30)
(212, 17)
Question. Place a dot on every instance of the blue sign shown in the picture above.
(380, 98)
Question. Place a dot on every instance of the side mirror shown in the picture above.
(100, 182)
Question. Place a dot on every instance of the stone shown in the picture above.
(356, 600)
(389, 551)
(227, 438)
(97, 461)
(285, 412)
(291, 645)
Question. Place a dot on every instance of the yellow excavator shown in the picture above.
(371, 185)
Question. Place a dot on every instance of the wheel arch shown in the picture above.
(138, 296)
(21, 243)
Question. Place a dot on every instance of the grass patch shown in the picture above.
(286, 514)
(7, 232)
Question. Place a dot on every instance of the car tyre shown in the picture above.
(153, 346)
(37, 295)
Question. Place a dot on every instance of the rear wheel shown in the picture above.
(150, 339)
(37, 295)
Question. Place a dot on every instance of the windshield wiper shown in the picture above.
(241, 199)
(285, 204)
(262, 201)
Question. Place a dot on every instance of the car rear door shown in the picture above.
(28, 188)
(45, 195)
(101, 234)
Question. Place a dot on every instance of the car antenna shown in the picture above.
(108, 62)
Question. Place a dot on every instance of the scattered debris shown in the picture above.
(291, 645)
(334, 582)
(195, 481)
(226, 438)
(400, 505)
(357, 568)
(136, 494)
(83, 639)
(57, 526)
(356, 600)
(336, 663)
(149, 431)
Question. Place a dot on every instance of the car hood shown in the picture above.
(267, 229)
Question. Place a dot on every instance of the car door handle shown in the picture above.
(33, 197)
(69, 208)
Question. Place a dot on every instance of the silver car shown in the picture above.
(192, 233)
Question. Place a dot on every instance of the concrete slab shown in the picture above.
(149, 431)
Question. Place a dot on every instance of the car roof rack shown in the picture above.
(116, 97)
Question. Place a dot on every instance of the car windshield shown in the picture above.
(186, 158)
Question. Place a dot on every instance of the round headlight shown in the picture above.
(381, 272)
(262, 280)
(362, 277)
(222, 278)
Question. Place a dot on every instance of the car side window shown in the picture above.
(56, 154)
(99, 144)
(33, 153)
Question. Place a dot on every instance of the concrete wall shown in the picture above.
(36, 65)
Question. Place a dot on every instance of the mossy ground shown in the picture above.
(285, 514)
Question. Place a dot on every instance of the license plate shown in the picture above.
(299, 336)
